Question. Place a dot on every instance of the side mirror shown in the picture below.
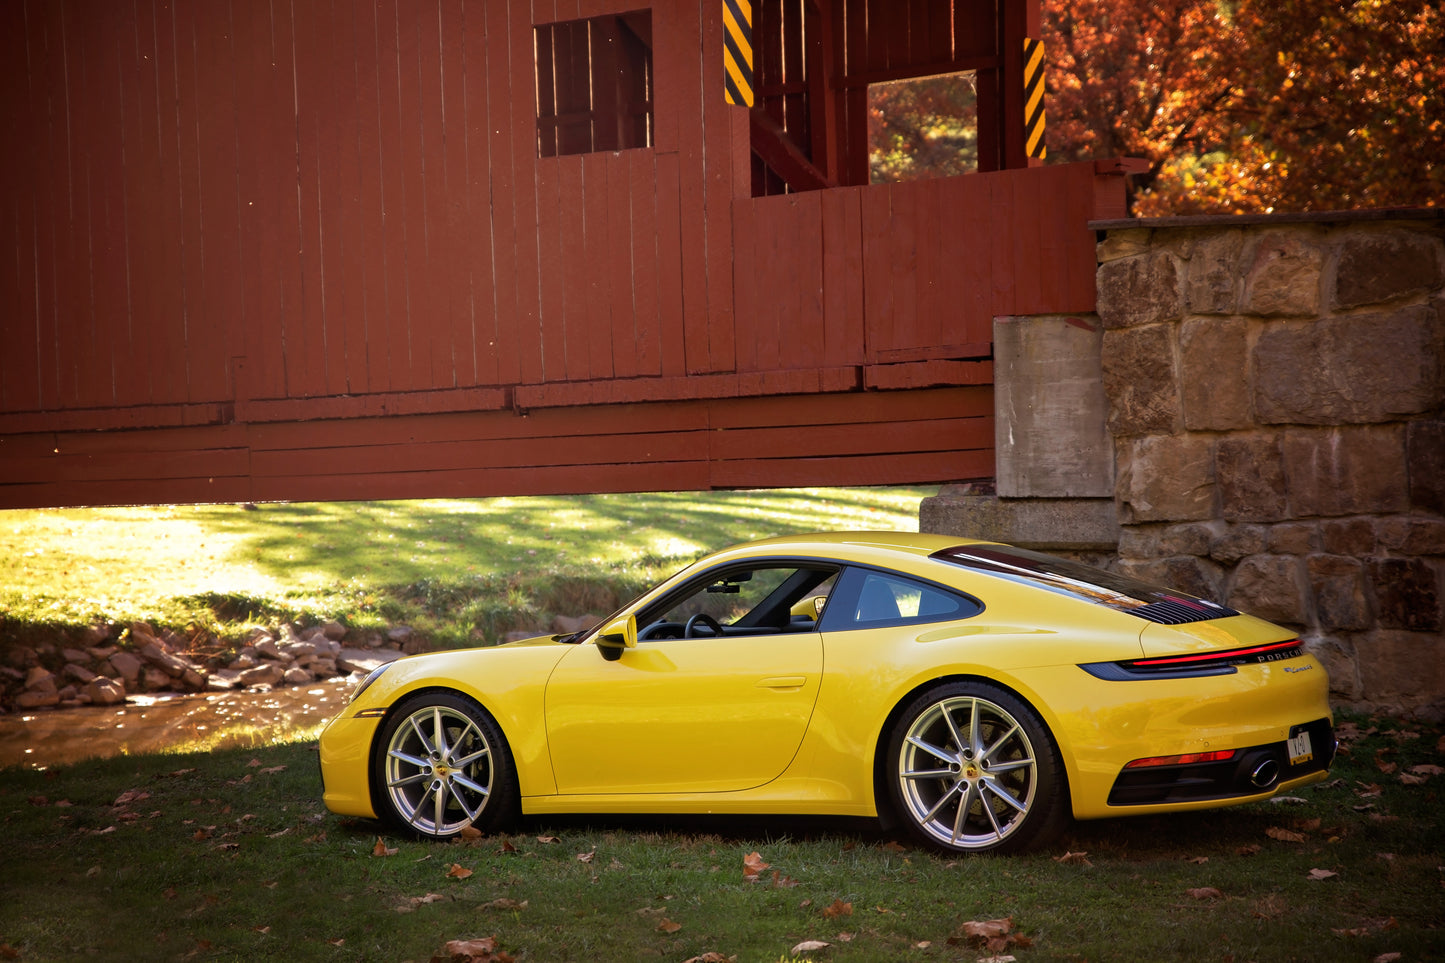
(616, 637)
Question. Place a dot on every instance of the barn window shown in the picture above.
(594, 84)
(923, 127)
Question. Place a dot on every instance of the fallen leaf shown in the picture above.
(428, 898)
(922, 944)
(1322, 874)
(507, 846)
(471, 951)
(1198, 860)
(839, 908)
(1424, 769)
(1284, 835)
(712, 957)
(1249, 850)
(470, 833)
(548, 840)
(337, 941)
(783, 882)
(254, 763)
(130, 796)
(668, 926)
(893, 846)
(1205, 892)
(271, 770)
(808, 946)
(381, 849)
(458, 871)
(1411, 780)
(1081, 858)
(1386, 958)
(504, 903)
(753, 866)
(985, 929)
(586, 857)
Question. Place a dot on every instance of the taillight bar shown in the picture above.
(1187, 759)
(1273, 652)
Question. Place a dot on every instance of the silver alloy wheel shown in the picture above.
(439, 770)
(967, 772)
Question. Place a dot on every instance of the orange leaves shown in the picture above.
(666, 925)
(381, 849)
(992, 936)
(836, 909)
(1078, 858)
(457, 871)
(471, 951)
(753, 866)
(1205, 893)
(1284, 835)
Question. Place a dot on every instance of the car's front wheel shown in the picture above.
(972, 768)
(441, 765)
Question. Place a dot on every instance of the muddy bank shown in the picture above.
(146, 724)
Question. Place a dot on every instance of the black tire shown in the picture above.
(441, 764)
(972, 768)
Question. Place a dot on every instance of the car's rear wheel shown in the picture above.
(441, 765)
(973, 768)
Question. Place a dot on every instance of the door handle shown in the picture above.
(783, 682)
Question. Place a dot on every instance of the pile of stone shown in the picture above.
(110, 664)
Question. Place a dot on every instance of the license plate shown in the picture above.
(1300, 749)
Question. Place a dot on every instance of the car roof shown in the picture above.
(874, 546)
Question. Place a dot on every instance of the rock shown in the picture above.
(32, 699)
(1140, 381)
(40, 679)
(74, 655)
(399, 635)
(1239, 541)
(1212, 282)
(1407, 593)
(1251, 477)
(364, 660)
(1139, 290)
(1268, 586)
(300, 652)
(78, 673)
(323, 668)
(101, 653)
(193, 680)
(1166, 478)
(246, 660)
(105, 692)
(1349, 536)
(268, 673)
(297, 676)
(1338, 586)
(566, 624)
(1283, 279)
(1214, 375)
(94, 635)
(334, 630)
(169, 663)
(155, 680)
(223, 680)
(1425, 456)
(1381, 267)
(1354, 470)
(1361, 369)
(268, 648)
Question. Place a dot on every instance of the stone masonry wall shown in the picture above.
(1275, 391)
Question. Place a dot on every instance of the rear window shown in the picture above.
(1074, 579)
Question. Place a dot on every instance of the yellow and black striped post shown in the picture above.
(1034, 99)
(738, 52)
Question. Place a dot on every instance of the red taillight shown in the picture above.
(1188, 759)
(1257, 652)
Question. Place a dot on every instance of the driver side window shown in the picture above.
(732, 600)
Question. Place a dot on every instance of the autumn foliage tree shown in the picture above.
(1259, 105)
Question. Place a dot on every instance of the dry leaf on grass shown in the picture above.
(548, 840)
(1205, 892)
(753, 867)
(783, 882)
(458, 871)
(668, 926)
(711, 958)
(808, 946)
(1081, 858)
(504, 903)
(586, 857)
(1370, 926)
(1387, 958)
(471, 951)
(1322, 874)
(992, 936)
(839, 908)
(381, 849)
(1284, 835)
(470, 833)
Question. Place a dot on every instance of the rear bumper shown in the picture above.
(1249, 773)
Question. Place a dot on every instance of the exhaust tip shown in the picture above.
(1266, 774)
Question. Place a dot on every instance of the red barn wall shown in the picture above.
(309, 251)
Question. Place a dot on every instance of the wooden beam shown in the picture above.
(771, 143)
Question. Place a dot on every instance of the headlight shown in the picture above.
(371, 677)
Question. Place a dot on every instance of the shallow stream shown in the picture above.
(50, 737)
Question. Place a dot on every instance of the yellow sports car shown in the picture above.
(977, 693)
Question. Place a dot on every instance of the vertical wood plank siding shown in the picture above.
(310, 250)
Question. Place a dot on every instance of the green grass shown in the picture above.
(461, 571)
(229, 856)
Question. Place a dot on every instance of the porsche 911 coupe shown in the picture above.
(979, 694)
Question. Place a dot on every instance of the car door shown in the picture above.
(711, 713)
